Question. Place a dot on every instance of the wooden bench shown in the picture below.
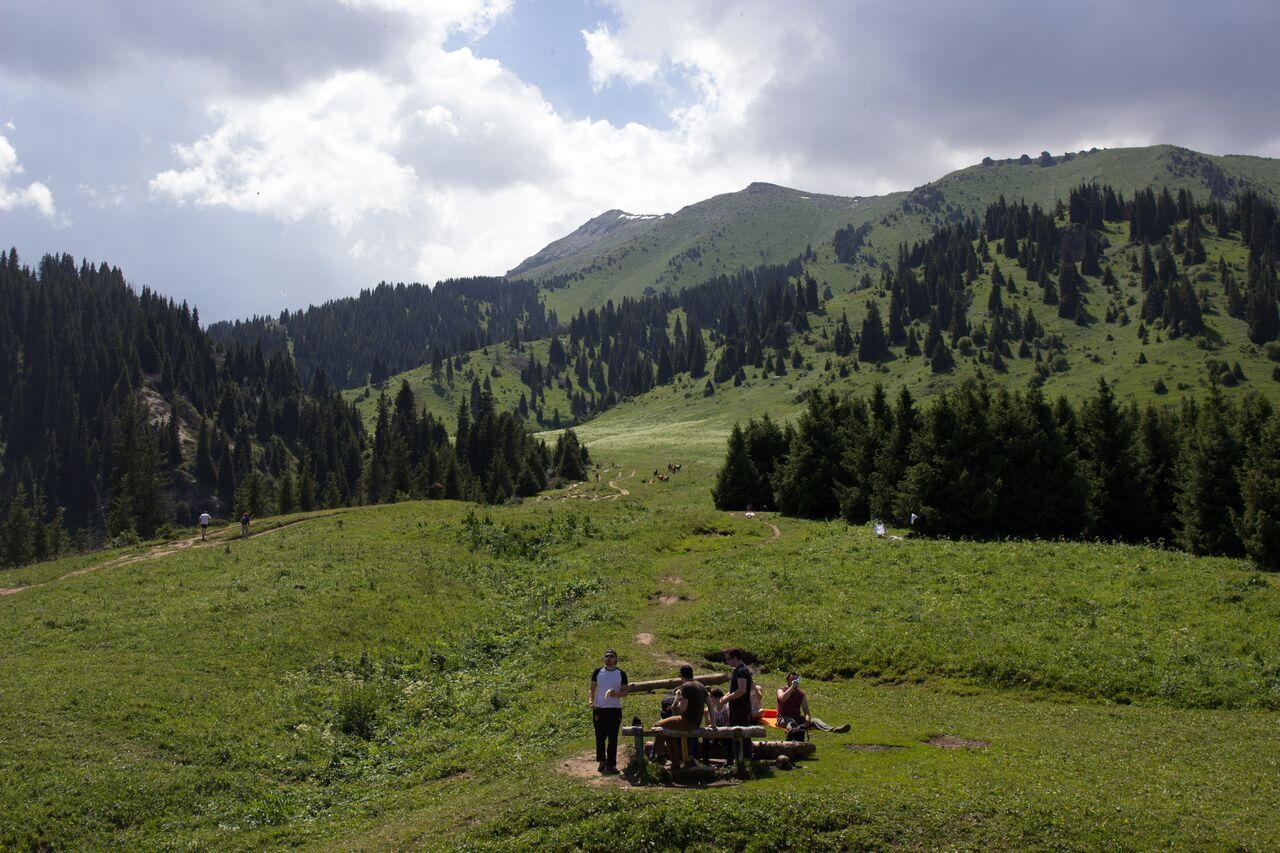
(736, 734)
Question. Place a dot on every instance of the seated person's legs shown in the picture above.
(670, 746)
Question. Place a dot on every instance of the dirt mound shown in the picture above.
(953, 742)
(644, 638)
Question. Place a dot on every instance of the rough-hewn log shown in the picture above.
(672, 683)
(722, 733)
(766, 749)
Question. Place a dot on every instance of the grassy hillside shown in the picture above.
(768, 224)
(413, 675)
(1099, 350)
(762, 224)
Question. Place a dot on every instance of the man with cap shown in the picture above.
(608, 686)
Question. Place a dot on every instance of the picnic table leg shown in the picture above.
(640, 749)
(739, 752)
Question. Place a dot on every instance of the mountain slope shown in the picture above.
(769, 224)
(612, 257)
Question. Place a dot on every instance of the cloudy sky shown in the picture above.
(252, 156)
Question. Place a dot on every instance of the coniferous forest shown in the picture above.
(984, 462)
(120, 416)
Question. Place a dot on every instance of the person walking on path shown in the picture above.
(244, 525)
(739, 695)
(608, 686)
(204, 525)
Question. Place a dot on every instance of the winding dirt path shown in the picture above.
(166, 549)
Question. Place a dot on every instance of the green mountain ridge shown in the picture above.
(766, 223)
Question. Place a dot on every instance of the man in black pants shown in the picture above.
(608, 686)
(739, 696)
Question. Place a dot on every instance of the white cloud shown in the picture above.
(609, 61)
(13, 196)
(325, 149)
(450, 166)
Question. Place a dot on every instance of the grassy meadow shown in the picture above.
(415, 675)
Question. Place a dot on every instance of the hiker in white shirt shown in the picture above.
(608, 686)
(204, 525)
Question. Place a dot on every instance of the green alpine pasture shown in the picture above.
(415, 675)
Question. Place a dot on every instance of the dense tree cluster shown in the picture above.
(391, 328)
(492, 459)
(119, 415)
(985, 462)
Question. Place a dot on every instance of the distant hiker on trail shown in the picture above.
(608, 686)
(739, 695)
(204, 525)
(689, 709)
(244, 525)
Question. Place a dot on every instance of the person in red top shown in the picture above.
(793, 705)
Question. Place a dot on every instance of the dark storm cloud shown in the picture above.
(898, 85)
(247, 45)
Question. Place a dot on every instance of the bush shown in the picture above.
(357, 711)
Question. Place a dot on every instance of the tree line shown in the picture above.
(392, 328)
(986, 462)
(119, 416)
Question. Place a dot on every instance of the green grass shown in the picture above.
(412, 675)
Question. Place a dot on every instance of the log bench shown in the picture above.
(726, 733)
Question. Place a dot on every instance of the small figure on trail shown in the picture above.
(244, 525)
(739, 696)
(204, 525)
(608, 686)
(688, 711)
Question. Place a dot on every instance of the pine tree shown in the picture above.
(738, 483)
(19, 546)
(1258, 524)
(286, 501)
(1209, 493)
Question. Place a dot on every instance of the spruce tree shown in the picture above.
(738, 481)
(1258, 523)
(1208, 491)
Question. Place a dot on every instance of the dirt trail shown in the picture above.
(574, 493)
(165, 549)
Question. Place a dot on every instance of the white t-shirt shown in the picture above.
(605, 680)
(204, 519)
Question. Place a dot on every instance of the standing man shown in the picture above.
(204, 525)
(739, 695)
(608, 686)
(244, 525)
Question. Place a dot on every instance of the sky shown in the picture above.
(249, 156)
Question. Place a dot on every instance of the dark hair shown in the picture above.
(686, 671)
(733, 652)
(717, 692)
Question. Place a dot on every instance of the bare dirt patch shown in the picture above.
(871, 747)
(672, 579)
(644, 638)
(953, 742)
(663, 599)
(584, 768)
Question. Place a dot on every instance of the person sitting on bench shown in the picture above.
(690, 702)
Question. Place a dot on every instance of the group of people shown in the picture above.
(693, 706)
(205, 519)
